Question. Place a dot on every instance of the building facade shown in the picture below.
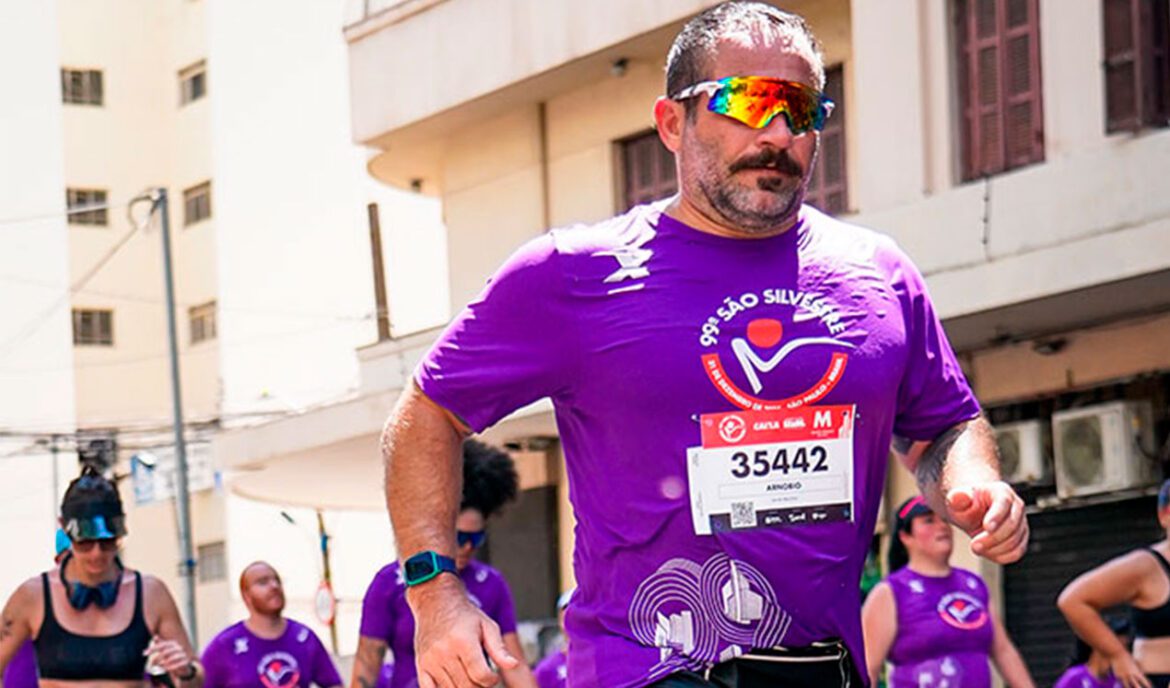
(241, 112)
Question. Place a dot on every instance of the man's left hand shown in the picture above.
(993, 515)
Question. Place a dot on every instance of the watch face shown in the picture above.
(419, 566)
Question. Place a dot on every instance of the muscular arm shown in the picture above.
(879, 624)
(958, 475)
(420, 453)
(14, 621)
(1007, 658)
(421, 449)
(367, 662)
(962, 455)
(520, 676)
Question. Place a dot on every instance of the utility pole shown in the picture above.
(158, 199)
(327, 575)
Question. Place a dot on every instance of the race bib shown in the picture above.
(770, 469)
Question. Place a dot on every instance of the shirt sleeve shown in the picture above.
(214, 675)
(933, 395)
(376, 607)
(504, 613)
(324, 672)
(509, 347)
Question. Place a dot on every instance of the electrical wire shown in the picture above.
(36, 323)
(9, 222)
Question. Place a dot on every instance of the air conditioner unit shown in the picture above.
(1021, 452)
(1098, 448)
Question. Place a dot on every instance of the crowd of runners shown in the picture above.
(730, 369)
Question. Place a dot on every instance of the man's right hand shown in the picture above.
(451, 637)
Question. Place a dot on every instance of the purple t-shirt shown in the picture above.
(945, 630)
(639, 327)
(237, 658)
(1079, 676)
(552, 671)
(387, 617)
(21, 671)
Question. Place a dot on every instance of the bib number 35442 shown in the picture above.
(765, 469)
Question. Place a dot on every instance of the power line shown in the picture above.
(252, 310)
(8, 222)
(203, 351)
(37, 322)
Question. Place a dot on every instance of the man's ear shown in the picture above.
(669, 116)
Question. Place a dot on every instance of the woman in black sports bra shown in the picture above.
(1140, 579)
(92, 621)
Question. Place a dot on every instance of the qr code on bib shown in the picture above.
(743, 515)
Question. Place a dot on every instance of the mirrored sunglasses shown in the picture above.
(475, 538)
(757, 100)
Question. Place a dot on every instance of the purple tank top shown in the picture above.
(945, 631)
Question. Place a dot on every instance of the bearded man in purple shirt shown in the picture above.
(728, 367)
(267, 649)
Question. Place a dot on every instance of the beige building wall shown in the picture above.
(36, 356)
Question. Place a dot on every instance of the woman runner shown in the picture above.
(931, 620)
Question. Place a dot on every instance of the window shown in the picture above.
(647, 170)
(212, 562)
(998, 45)
(93, 327)
(1137, 64)
(197, 203)
(827, 187)
(77, 200)
(202, 319)
(81, 86)
(193, 82)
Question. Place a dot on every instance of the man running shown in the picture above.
(727, 367)
(266, 649)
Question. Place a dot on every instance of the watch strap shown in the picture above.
(426, 566)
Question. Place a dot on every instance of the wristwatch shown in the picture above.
(188, 675)
(424, 566)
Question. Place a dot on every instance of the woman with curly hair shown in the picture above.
(489, 482)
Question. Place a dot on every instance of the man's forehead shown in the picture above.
(748, 57)
(258, 570)
(775, 54)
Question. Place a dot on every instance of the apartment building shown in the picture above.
(240, 111)
(1017, 149)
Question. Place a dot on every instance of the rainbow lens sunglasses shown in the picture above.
(756, 100)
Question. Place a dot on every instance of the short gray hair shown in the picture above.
(689, 59)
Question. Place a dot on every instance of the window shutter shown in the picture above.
(1024, 127)
(827, 187)
(1155, 20)
(1121, 66)
(999, 85)
(647, 170)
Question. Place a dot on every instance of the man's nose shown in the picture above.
(777, 133)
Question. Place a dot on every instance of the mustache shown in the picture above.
(776, 159)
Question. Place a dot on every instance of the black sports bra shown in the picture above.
(68, 656)
(1153, 623)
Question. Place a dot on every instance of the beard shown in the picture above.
(758, 207)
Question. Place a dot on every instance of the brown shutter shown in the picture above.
(827, 187)
(1122, 95)
(999, 85)
(647, 170)
(1137, 64)
(1155, 20)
